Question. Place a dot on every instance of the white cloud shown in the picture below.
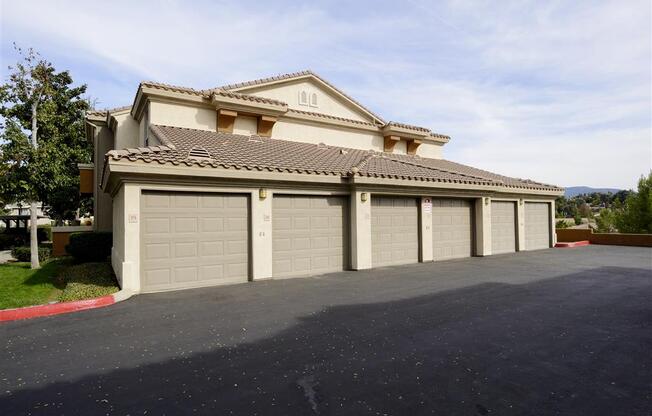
(556, 91)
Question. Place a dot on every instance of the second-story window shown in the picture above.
(313, 99)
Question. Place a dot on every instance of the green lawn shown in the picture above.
(22, 286)
(57, 280)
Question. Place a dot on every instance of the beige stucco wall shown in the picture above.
(431, 150)
(327, 102)
(102, 204)
(312, 133)
(143, 126)
(177, 115)
(126, 132)
(246, 125)
(117, 250)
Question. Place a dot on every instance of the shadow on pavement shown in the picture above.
(577, 344)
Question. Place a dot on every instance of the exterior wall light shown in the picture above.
(520, 201)
(262, 193)
(486, 201)
(363, 197)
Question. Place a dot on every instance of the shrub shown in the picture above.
(578, 219)
(86, 281)
(90, 246)
(561, 224)
(14, 237)
(44, 233)
(8, 241)
(24, 253)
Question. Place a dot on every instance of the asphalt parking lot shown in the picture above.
(560, 331)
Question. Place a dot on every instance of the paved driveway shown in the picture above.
(563, 331)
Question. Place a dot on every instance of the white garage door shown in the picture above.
(310, 235)
(192, 240)
(452, 235)
(503, 227)
(394, 231)
(537, 225)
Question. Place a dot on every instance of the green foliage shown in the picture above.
(49, 173)
(86, 281)
(636, 215)
(23, 253)
(90, 247)
(13, 237)
(45, 232)
(606, 222)
(577, 218)
(21, 286)
(561, 224)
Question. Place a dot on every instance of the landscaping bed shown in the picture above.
(58, 280)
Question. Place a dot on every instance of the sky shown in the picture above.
(556, 91)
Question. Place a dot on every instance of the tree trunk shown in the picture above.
(33, 215)
(33, 236)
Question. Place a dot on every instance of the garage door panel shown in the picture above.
(192, 239)
(310, 235)
(537, 225)
(394, 230)
(503, 227)
(452, 234)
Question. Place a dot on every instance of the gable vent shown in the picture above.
(199, 152)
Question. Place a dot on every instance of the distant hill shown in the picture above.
(571, 191)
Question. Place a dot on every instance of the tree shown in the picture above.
(42, 139)
(606, 221)
(636, 216)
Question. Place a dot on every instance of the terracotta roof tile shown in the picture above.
(260, 153)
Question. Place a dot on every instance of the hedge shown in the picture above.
(24, 253)
(15, 237)
(90, 246)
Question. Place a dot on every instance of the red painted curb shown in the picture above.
(573, 244)
(55, 308)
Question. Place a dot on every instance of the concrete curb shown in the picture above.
(573, 244)
(29, 312)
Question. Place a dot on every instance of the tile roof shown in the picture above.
(208, 93)
(107, 110)
(283, 77)
(407, 126)
(274, 155)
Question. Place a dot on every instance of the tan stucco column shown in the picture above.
(360, 230)
(520, 225)
(425, 214)
(261, 234)
(130, 220)
(553, 227)
(483, 226)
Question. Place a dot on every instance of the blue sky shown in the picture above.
(559, 92)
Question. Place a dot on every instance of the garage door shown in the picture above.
(537, 225)
(394, 231)
(310, 235)
(503, 227)
(192, 239)
(452, 235)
